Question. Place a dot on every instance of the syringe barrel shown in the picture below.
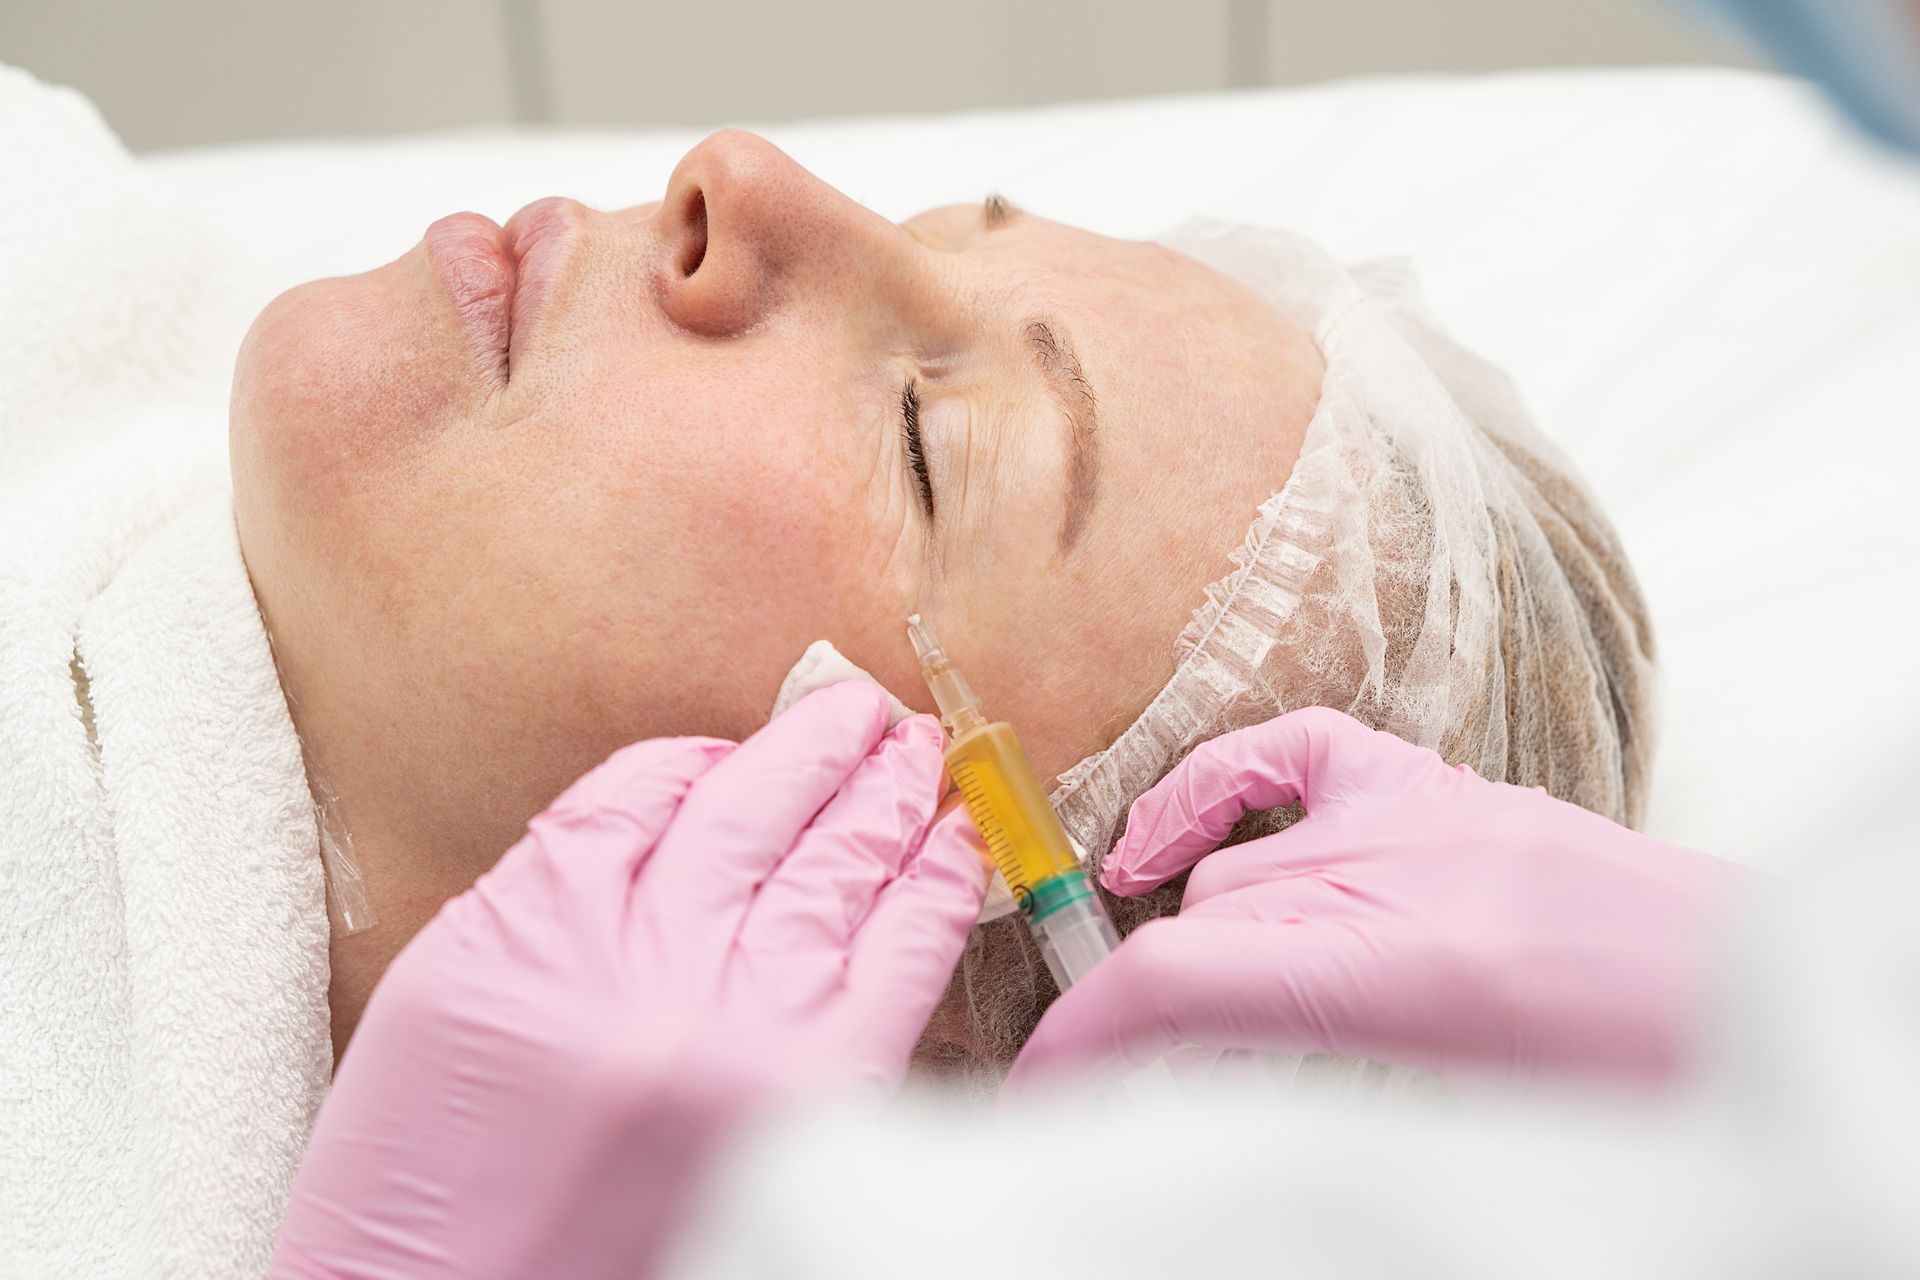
(1008, 805)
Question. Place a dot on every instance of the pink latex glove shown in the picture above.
(692, 930)
(1418, 914)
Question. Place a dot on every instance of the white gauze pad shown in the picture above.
(822, 665)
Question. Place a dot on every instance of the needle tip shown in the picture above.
(920, 635)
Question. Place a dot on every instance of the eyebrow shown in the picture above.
(1053, 355)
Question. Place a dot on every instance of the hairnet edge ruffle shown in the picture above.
(1218, 652)
(1379, 579)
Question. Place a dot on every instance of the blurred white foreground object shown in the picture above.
(1796, 1155)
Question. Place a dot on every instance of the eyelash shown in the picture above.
(994, 210)
(916, 447)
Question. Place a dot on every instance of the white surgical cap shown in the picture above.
(1431, 567)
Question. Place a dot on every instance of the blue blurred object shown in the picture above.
(1864, 52)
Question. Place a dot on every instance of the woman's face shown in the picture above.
(521, 496)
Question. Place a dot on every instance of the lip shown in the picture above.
(500, 279)
(474, 260)
(542, 238)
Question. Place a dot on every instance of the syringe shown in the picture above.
(1024, 837)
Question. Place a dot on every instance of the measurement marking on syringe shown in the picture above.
(999, 844)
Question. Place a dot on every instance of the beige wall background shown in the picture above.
(185, 72)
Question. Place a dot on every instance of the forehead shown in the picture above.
(1191, 367)
(1204, 391)
(1163, 328)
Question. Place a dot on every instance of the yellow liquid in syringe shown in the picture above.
(1023, 835)
(1004, 798)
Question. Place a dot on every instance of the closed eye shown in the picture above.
(915, 445)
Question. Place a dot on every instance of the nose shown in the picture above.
(742, 226)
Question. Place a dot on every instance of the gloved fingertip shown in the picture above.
(1120, 870)
(921, 731)
(1143, 822)
(1040, 1072)
(953, 838)
(1021, 1077)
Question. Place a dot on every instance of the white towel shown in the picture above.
(163, 931)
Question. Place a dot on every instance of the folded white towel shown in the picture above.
(163, 931)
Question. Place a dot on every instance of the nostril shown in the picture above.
(694, 251)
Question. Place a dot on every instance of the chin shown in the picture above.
(348, 373)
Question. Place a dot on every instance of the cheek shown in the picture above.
(341, 380)
(345, 392)
(751, 472)
(733, 526)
